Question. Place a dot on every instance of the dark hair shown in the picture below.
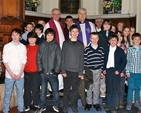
(50, 31)
(16, 30)
(107, 21)
(94, 33)
(74, 26)
(136, 35)
(68, 17)
(39, 26)
(121, 36)
(113, 36)
(32, 35)
(115, 27)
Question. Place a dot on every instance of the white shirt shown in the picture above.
(60, 32)
(94, 46)
(111, 58)
(82, 27)
(98, 29)
(15, 56)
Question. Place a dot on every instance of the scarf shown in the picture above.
(87, 30)
(53, 26)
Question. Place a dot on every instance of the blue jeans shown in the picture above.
(134, 82)
(53, 80)
(9, 83)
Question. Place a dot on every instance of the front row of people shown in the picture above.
(42, 65)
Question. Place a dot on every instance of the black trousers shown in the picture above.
(31, 88)
(71, 83)
(112, 87)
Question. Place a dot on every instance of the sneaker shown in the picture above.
(40, 110)
(137, 105)
(27, 108)
(55, 108)
(36, 106)
(129, 106)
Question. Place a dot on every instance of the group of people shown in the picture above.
(93, 60)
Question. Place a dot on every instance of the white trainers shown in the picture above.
(40, 110)
(55, 108)
(137, 105)
(27, 108)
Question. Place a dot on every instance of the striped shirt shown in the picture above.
(133, 60)
(94, 58)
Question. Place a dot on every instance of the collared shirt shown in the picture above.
(82, 27)
(40, 35)
(94, 46)
(15, 56)
(24, 35)
(111, 58)
(133, 60)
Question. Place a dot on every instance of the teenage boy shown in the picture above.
(133, 71)
(72, 68)
(68, 22)
(28, 28)
(32, 77)
(48, 63)
(39, 30)
(14, 59)
(94, 60)
(114, 64)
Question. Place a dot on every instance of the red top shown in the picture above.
(31, 65)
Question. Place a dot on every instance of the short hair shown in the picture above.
(39, 26)
(113, 36)
(16, 30)
(121, 23)
(74, 26)
(107, 21)
(94, 33)
(54, 10)
(136, 35)
(68, 17)
(49, 31)
(82, 9)
(99, 19)
(32, 35)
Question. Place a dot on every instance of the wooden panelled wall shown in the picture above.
(12, 15)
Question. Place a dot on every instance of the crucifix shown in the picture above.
(71, 8)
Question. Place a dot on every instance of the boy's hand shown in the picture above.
(64, 75)
(81, 77)
(122, 74)
(18, 77)
(128, 75)
(102, 75)
(104, 72)
(116, 72)
(13, 76)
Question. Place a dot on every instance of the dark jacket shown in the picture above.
(72, 56)
(119, 57)
(103, 39)
(49, 57)
(88, 77)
